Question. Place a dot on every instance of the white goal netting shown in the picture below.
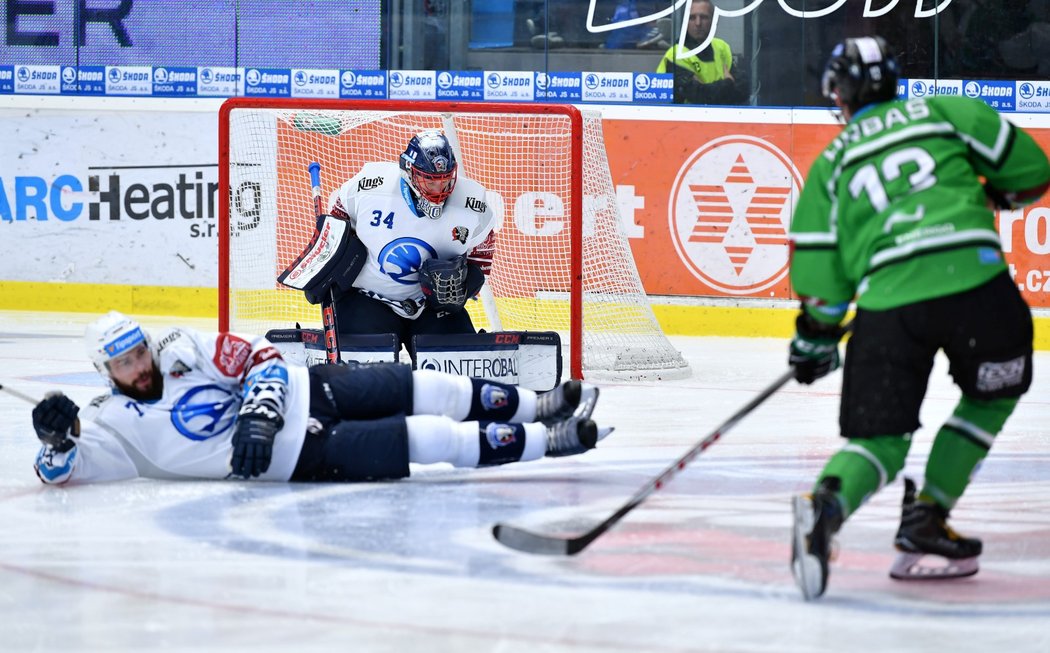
(525, 160)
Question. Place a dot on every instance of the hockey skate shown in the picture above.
(573, 436)
(924, 531)
(818, 517)
(570, 399)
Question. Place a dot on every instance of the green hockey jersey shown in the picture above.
(894, 211)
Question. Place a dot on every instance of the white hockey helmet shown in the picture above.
(110, 336)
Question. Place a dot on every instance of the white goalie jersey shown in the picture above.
(379, 205)
(186, 433)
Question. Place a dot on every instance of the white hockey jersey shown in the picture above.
(381, 210)
(186, 433)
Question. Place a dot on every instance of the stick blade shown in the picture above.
(525, 541)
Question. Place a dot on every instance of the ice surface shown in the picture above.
(411, 566)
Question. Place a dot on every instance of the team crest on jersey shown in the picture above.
(231, 353)
(400, 259)
(460, 234)
(500, 435)
(474, 204)
(204, 412)
(493, 397)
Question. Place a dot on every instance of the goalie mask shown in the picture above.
(860, 72)
(111, 336)
(429, 166)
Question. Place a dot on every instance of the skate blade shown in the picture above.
(912, 566)
(805, 567)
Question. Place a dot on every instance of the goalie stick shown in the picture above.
(331, 335)
(567, 545)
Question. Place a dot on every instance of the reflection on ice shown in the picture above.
(702, 565)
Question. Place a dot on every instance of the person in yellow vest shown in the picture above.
(706, 77)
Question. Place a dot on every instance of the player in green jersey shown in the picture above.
(897, 216)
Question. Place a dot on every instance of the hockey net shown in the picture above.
(548, 233)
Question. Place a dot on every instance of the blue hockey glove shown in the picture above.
(814, 349)
(55, 420)
(257, 426)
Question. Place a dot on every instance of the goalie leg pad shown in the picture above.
(526, 358)
(307, 347)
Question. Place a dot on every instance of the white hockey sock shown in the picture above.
(435, 393)
(439, 439)
(526, 408)
(535, 440)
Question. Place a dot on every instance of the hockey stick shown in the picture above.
(529, 542)
(21, 395)
(331, 335)
(26, 398)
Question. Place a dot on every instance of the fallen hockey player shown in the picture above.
(189, 405)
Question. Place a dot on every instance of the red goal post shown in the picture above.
(562, 260)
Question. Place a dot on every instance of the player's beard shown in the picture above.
(147, 387)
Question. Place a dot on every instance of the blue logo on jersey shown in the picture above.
(989, 256)
(407, 194)
(401, 258)
(205, 412)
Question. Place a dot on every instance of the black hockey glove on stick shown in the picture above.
(55, 422)
(256, 429)
(814, 350)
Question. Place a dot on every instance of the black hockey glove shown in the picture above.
(55, 422)
(257, 426)
(814, 349)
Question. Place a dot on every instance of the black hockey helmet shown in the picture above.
(861, 71)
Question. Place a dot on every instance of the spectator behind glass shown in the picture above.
(435, 34)
(561, 24)
(641, 36)
(708, 76)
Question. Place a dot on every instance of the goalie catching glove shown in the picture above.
(447, 285)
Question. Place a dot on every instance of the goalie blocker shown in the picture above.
(332, 259)
(530, 359)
